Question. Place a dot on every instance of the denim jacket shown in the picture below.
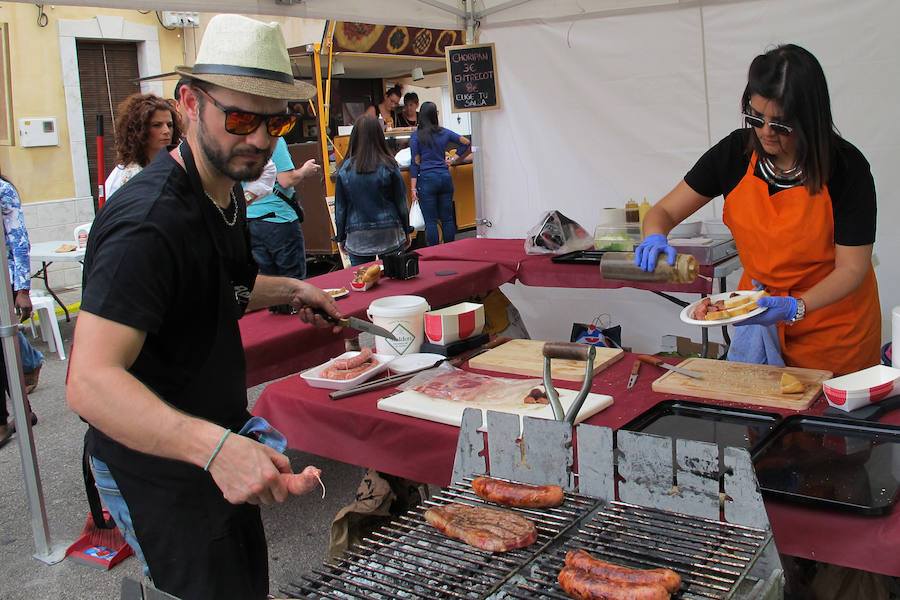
(369, 200)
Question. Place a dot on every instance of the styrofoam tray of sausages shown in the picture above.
(314, 376)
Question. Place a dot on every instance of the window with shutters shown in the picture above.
(108, 72)
(6, 113)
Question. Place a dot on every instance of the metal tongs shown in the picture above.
(568, 351)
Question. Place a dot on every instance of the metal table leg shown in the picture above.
(42, 274)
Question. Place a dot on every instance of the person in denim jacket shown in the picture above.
(429, 176)
(370, 209)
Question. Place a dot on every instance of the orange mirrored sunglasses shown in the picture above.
(242, 122)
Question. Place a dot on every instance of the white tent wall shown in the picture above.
(597, 110)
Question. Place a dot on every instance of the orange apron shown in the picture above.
(786, 242)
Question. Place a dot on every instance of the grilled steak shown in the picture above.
(485, 528)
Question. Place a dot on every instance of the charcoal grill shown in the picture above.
(408, 558)
(666, 515)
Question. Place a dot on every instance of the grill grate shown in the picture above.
(711, 557)
(408, 558)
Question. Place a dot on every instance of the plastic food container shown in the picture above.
(616, 238)
(314, 379)
(849, 392)
(458, 322)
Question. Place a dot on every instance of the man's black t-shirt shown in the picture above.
(850, 184)
(161, 259)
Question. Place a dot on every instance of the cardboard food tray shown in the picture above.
(742, 382)
(722, 425)
(835, 463)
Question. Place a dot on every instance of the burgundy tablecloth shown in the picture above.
(279, 345)
(540, 270)
(353, 430)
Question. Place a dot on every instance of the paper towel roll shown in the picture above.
(895, 334)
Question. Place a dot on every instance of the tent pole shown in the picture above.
(9, 332)
(481, 223)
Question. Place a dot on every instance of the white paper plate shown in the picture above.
(312, 376)
(410, 362)
(337, 292)
(689, 309)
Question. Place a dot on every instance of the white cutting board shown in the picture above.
(448, 412)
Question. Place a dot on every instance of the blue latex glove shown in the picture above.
(781, 308)
(646, 254)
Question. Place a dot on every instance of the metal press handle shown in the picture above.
(569, 351)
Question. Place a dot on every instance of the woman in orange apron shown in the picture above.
(800, 202)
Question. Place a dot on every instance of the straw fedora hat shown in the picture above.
(247, 56)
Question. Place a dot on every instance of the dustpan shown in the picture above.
(100, 548)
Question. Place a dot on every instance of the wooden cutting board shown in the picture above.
(523, 357)
(416, 404)
(742, 382)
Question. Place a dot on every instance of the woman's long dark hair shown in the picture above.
(367, 147)
(793, 77)
(428, 123)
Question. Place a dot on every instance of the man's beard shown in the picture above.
(220, 161)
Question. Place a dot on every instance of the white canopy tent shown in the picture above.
(606, 100)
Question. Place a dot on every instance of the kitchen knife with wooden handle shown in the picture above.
(652, 360)
(635, 368)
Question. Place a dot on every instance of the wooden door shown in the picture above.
(108, 72)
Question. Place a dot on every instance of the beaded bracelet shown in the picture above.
(216, 451)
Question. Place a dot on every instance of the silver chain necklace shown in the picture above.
(222, 212)
(779, 178)
(216, 204)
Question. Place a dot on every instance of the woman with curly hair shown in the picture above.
(145, 125)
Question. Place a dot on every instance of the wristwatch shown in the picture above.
(801, 311)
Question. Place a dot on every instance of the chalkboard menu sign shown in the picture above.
(473, 78)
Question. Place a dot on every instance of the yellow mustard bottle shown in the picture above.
(644, 209)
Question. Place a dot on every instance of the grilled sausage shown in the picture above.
(519, 495)
(579, 559)
(354, 361)
(581, 585)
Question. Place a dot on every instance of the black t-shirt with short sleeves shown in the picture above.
(161, 259)
(850, 185)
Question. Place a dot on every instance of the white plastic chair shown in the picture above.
(43, 308)
(81, 232)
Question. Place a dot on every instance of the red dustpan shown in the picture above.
(101, 548)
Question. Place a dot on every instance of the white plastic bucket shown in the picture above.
(404, 316)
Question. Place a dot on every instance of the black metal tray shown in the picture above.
(831, 462)
(722, 425)
(580, 257)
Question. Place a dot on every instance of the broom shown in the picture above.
(100, 542)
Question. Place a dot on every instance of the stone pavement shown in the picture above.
(298, 530)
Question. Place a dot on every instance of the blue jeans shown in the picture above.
(435, 190)
(115, 504)
(31, 358)
(278, 248)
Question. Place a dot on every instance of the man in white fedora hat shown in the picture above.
(157, 368)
